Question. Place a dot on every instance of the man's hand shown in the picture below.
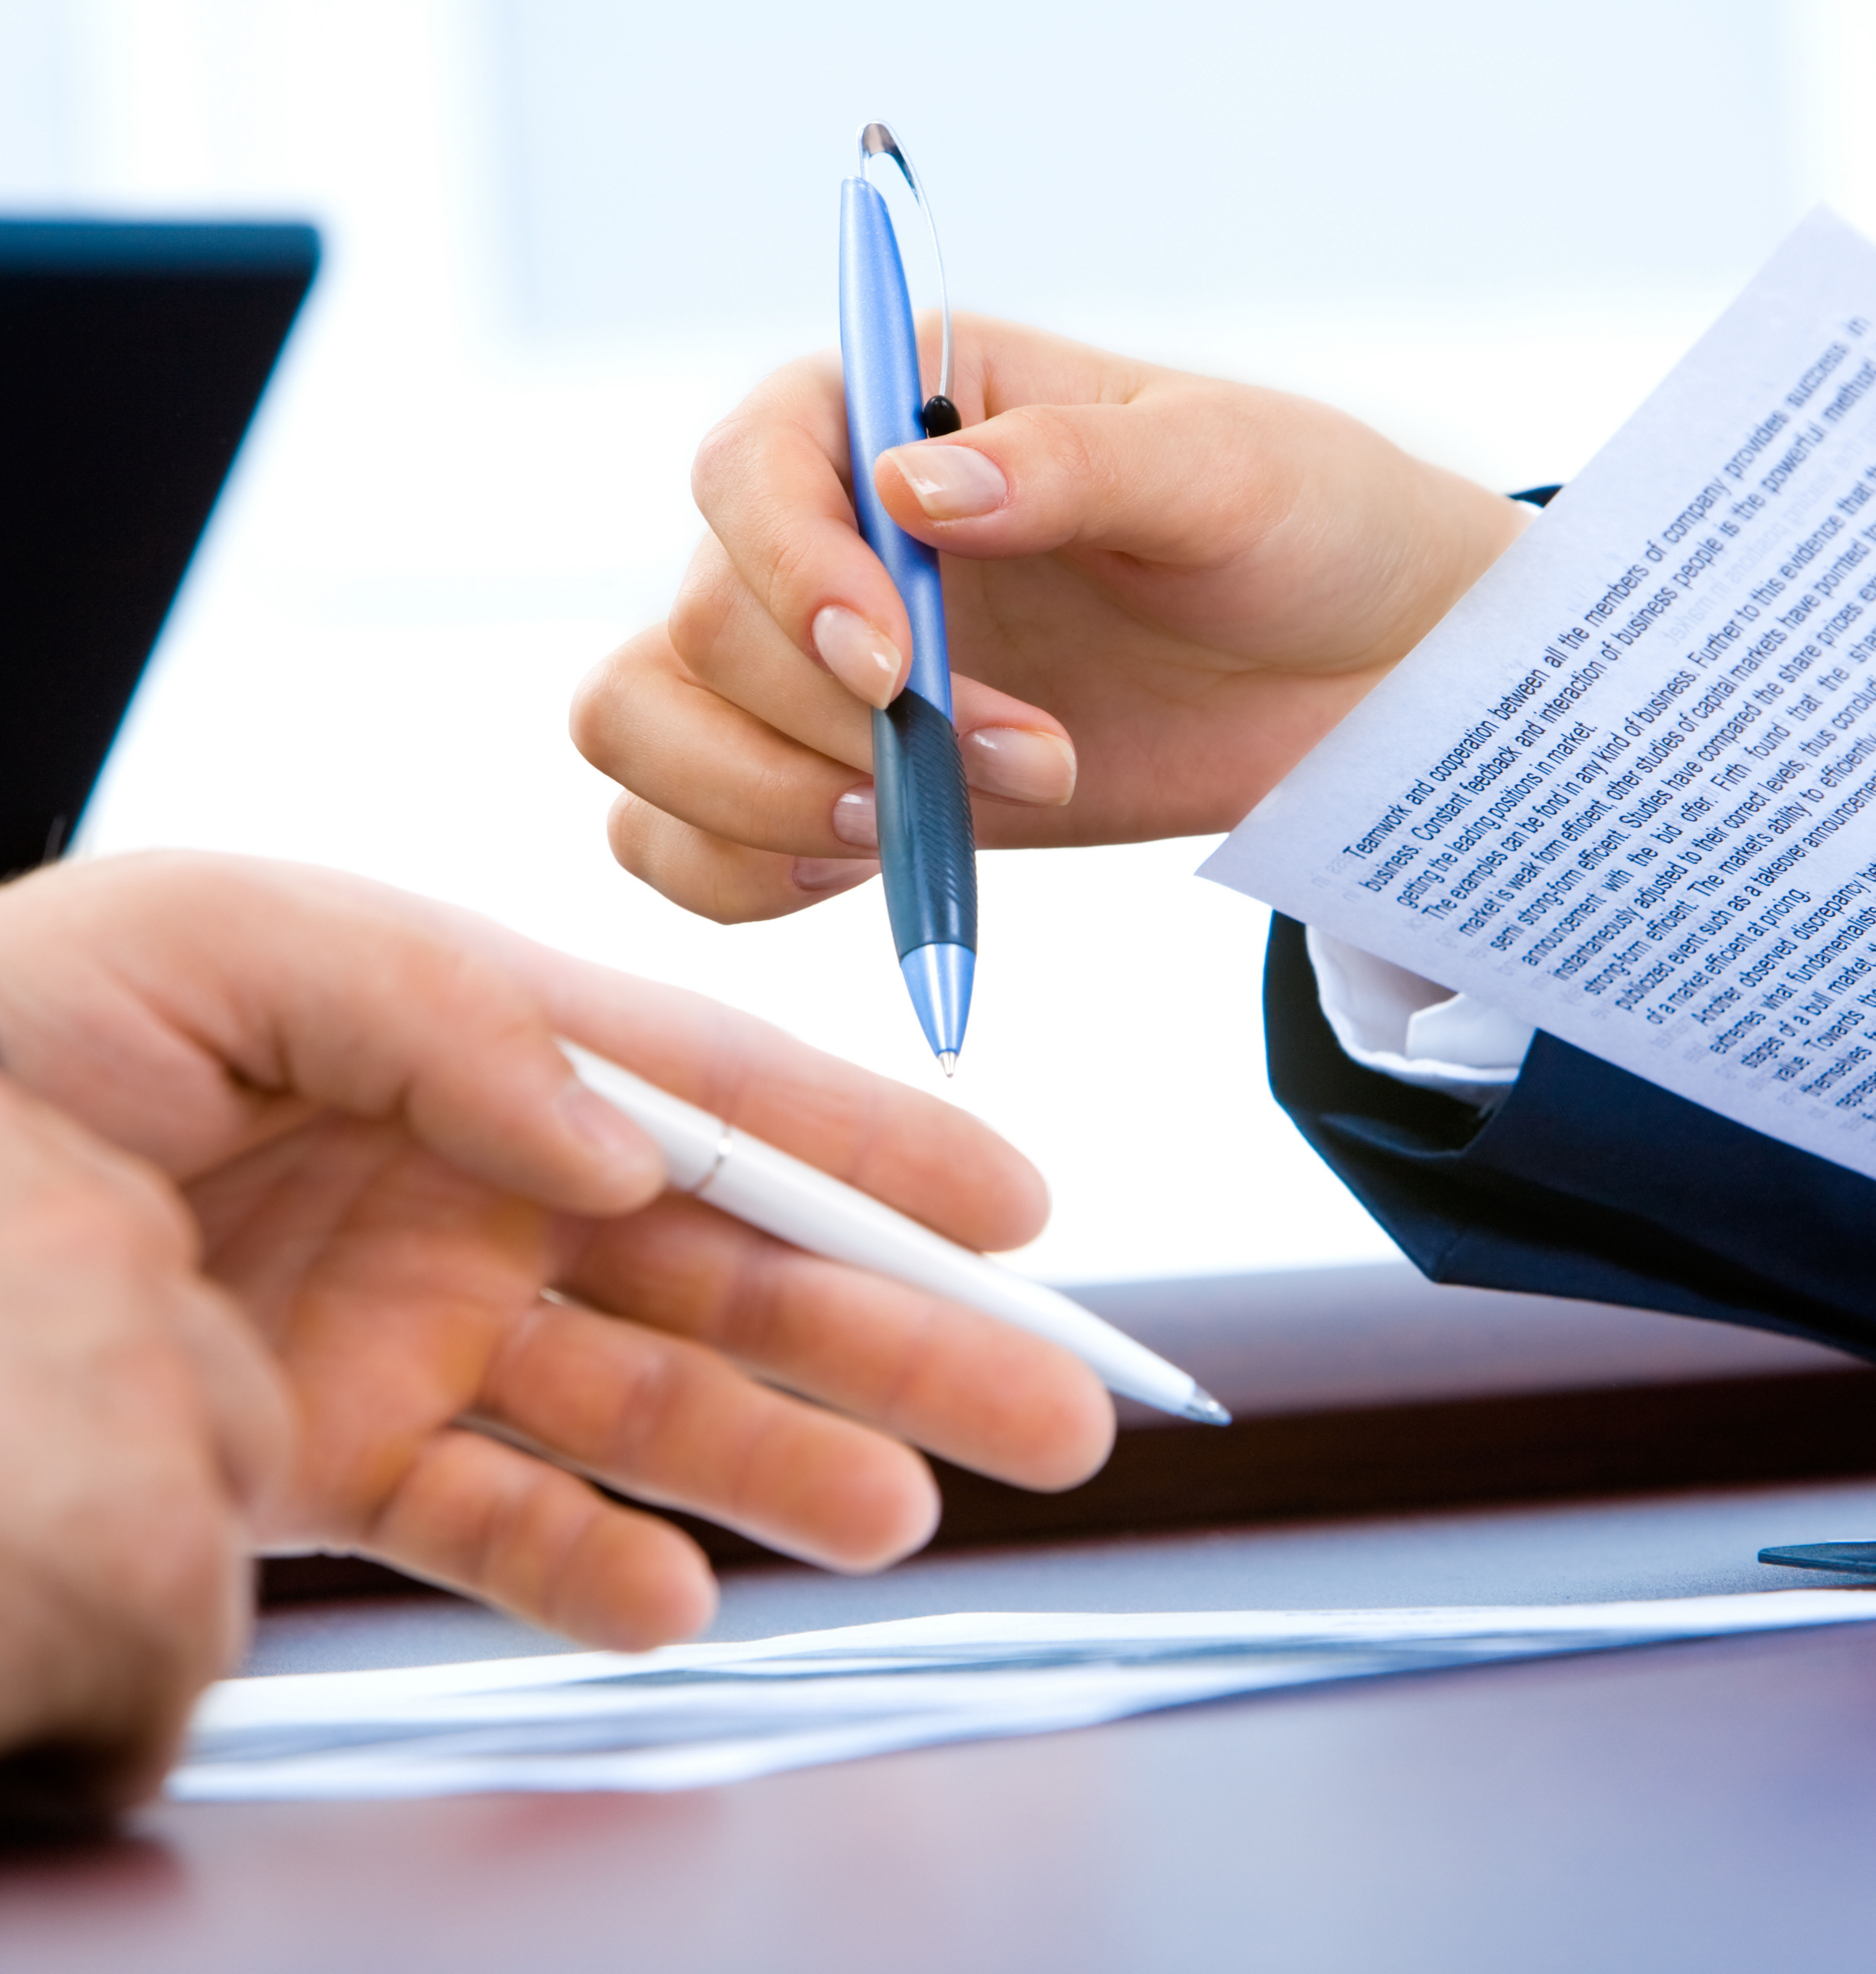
(144, 1431)
(1161, 591)
(399, 1180)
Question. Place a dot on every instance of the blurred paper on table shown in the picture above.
(690, 1716)
(1627, 790)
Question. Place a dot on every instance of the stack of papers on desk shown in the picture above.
(688, 1716)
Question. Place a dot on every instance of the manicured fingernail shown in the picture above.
(612, 1134)
(951, 483)
(867, 663)
(825, 875)
(856, 820)
(1018, 764)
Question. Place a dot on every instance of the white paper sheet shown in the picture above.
(692, 1716)
(1627, 789)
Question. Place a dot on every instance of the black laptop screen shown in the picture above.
(132, 357)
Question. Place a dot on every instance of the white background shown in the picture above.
(563, 237)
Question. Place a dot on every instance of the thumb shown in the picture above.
(221, 1000)
(370, 1004)
(1162, 476)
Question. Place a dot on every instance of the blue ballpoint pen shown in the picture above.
(927, 855)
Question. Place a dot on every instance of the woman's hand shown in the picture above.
(1161, 591)
(397, 1179)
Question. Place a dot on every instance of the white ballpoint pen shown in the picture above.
(739, 1175)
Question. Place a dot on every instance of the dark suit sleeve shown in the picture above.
(1585, 1182)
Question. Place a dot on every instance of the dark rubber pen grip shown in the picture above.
(927, 850)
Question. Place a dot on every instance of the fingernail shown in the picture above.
(856, 820)
(826, 875)
(865, 662)
(613, 1135)
(1018, 764)
(951, 483)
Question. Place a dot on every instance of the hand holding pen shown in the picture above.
(742, 728)
(1195, 577)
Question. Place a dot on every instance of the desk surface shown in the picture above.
(1709, 1806)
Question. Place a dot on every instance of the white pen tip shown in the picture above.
(947, 1061)
(1206, 1409)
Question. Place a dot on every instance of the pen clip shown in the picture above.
(939, 414)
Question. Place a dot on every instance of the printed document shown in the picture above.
(690, 1716)
(1627, 789)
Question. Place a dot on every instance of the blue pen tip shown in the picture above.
(938, 977)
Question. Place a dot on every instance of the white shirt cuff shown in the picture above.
(1413, 1030)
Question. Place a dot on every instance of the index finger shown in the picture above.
(925, 1157)
(772, 479)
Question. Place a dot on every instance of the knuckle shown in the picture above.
(792, 577)
(609, 701)
(651, 1405)
(777, 558)
(1059, 436)
(468, 997)
(717, 880)
(592, 717)
(628, 827)
(725, 899)
(723, 458)
(704, 607)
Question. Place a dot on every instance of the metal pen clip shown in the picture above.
(940, 414)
